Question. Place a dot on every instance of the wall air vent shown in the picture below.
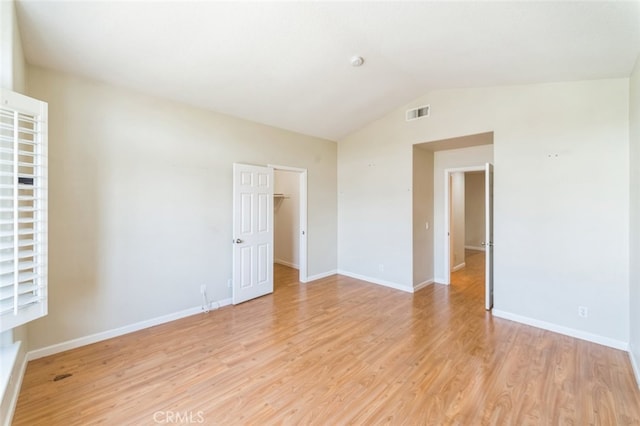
(420, 112)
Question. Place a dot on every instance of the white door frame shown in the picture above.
(302, 246)
(488, 236)
(447, 224)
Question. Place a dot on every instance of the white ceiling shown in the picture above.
(286, 64)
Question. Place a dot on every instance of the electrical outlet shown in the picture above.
(583, 311)
(203, 289)
(381, 267)
(229, 283)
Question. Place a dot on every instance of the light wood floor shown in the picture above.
(337, 351)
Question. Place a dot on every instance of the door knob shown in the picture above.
(238, 241)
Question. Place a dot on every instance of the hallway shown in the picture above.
(470, 279)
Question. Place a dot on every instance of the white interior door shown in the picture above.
(252, 232)
(488, 238)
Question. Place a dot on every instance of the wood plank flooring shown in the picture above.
(337, 351)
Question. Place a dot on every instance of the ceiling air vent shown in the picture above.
(420, 112)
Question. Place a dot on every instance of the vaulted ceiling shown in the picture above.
(287, 64)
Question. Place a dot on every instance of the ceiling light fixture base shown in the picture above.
(357, 61)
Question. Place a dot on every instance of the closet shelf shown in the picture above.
(280, 196)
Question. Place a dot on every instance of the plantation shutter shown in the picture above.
(23, 209)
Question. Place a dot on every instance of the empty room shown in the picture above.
(319, 213)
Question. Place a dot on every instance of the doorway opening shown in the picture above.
(465, 215)
(253, 229)
(469, 238)
(432, 162)
(467, 231)
(290, 218)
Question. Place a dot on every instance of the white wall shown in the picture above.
(12, 67)
(375, 225)
(634, 232)
(140, 203)
(286, 239)
(561, 223)
(457, 228)
(474, 229)
(422, 216)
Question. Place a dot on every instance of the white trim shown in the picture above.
(104, 335)
(303, 255)
(459, 266)
(287, 168)
(422, 285)
(478, 248)
(224, 302)
(440, 280)
(286, 263)
(635, 364)
(9, 355)
(320, 276)
(17, 383)
(21, 311)
(572, 332)
(377, 281)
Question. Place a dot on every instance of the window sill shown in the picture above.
(8, 358)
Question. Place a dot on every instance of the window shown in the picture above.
(23, 209)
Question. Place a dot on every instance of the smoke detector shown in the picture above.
(356, 61)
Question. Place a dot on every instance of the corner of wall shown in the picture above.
(634, 219)
(18, 364)
(635, 363)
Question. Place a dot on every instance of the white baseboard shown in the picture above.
(377, 281)
(635, 363)
(439, 280)
(572, 332)
(224, 302)
(320, 276)
(459, 266)
(422, 285)
(285, 263)
(479, 248)
(12, 387)
(104, 335)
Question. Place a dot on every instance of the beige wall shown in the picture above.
(422, 216)
(546, 265)
(140, 203)
(474, 210)
(634, 232)
(286, 239)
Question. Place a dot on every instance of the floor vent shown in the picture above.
(420, 112)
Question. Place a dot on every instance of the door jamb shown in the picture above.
(302, 243)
